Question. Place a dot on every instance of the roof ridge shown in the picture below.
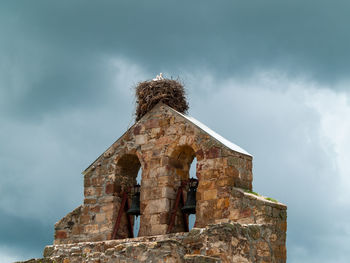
(213, 134)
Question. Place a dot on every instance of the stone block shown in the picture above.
(164, 218)
(48, 251)
(171, 130)
(245, 213)
(282, 226)
(165, 140)
(98, 191)
(61, 234)
(232, 161)
(89, 191)
(107, 199)
(182, 140)
(87, 182)
(100, 217)
(109, 188)
(153, 123)
(108, 207)
(154, 220)
(234, 214)
(155, 132)
(137, 130)
(92, 229)
(105, 228)
(231, 171)
(140, 139)
(76, 230)
(228, 181)
(97, 181)
(164, 122)
(85, 219)
(213, 152)
(210, 194)
(159, 229)
(151, 193)
(168, 192)
(223, 203)
(149, 183)
(206, 185)
(95, 209)
(157, 206)
(164, 180)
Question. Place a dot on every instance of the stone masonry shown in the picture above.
(232, 224)
(224, 242)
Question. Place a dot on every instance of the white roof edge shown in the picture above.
(218, 137)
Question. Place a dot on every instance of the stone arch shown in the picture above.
(181, 159)
(180, 162)
(186, 141)
(128, 166)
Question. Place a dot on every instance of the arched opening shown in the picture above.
(136, 226)
(128, 174)
(193, 174)
(128, 167)
(184, 162)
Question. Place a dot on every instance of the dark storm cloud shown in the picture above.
(26, 235)
(229, 36)
(66, 72)
(64, 41)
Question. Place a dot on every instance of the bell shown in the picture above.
(135, 202)
(190, 205)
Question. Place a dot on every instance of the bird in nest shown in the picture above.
(158, 77)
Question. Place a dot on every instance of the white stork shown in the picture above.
(158, 77)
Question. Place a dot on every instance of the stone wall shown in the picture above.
(224, 242)
(163, 144)
(232, 223)
(236, 205)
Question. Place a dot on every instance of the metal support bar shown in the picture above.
(124, 206)
(179, 198)
(184, 216)
(130, 227)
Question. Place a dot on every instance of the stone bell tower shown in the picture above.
(163, 143)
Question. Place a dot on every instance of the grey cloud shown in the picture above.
(66, 72)
(230, 38)
(291, 163)
(27, 236)
(276, 125)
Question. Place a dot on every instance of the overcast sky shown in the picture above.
(271, 76)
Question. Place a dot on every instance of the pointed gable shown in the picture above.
(192, 121)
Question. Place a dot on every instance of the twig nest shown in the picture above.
(168, 91)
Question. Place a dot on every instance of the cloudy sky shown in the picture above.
(271, 76)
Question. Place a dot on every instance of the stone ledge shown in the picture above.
(259, 198)
(224, 242)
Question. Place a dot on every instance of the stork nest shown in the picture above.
(150, 93)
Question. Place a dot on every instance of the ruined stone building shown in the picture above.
(232, 223)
